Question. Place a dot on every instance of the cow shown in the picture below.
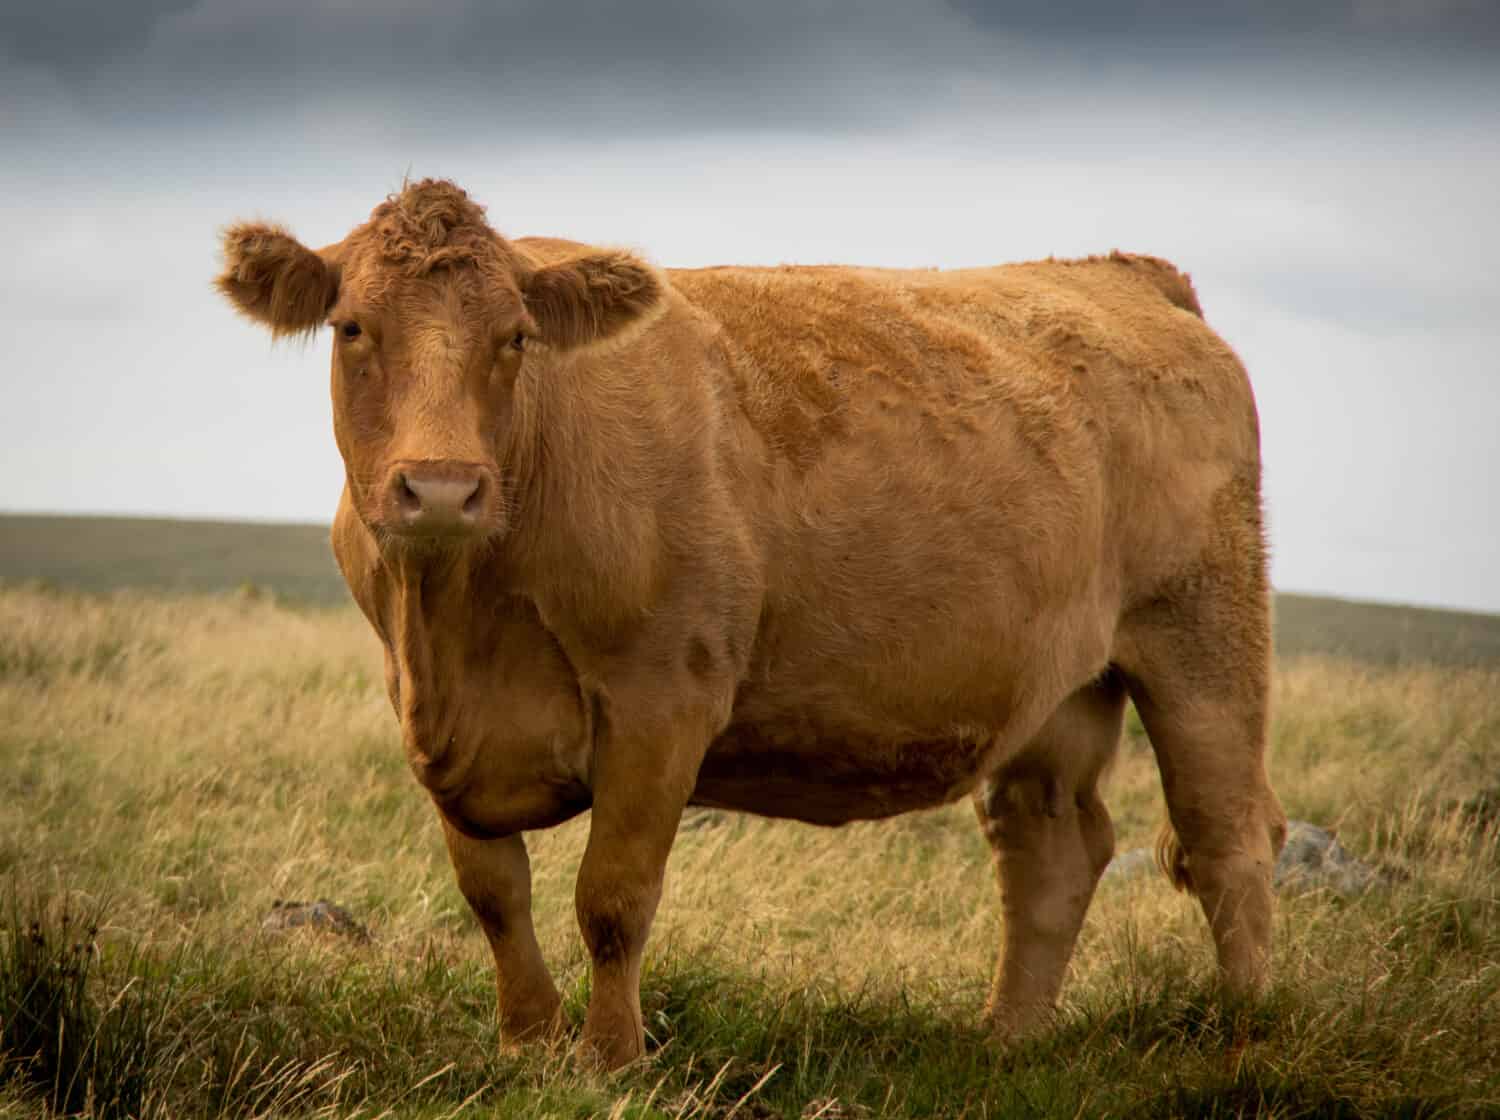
(820, 543)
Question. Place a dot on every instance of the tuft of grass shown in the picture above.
(79, 1052)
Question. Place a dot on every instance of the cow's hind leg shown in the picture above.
(1197, 664)
(1052, 838)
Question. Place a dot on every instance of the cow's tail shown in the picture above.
(1171, 857)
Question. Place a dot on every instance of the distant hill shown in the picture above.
(296, 563)
(110, 553)
(1384, 634)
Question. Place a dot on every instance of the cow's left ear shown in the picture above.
(275, 279)
(591, 298)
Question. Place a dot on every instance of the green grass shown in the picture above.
(1396, 1014)
(295, 563)
(171, 764)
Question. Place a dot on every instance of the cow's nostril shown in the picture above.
(474, 502)
(409, 499)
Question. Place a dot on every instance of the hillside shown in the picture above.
(295, 562)
(112, 553)
(1383, 634)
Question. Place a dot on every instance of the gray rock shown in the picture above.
(322, 915)
(1134, 864)
(1312, 859)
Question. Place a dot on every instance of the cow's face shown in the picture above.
(432, 316)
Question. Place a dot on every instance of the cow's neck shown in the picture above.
(426, 596)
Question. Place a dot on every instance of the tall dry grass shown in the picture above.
(176, 765)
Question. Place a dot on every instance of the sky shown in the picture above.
(1324, 169)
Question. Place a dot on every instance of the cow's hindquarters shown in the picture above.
(1197, 660)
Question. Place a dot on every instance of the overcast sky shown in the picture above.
(1325, 170)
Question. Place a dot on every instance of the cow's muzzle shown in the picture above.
(430, 498)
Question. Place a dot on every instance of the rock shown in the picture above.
(1133, 864)
(1312, 859)
(322, 915)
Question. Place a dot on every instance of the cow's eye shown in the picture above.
(519, 342)
(350, 330)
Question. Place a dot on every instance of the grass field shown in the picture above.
(170, 765)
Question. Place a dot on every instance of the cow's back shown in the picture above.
(1087, 398)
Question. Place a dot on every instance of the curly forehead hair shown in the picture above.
(434, 224)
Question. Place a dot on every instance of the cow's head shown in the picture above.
(432, 316)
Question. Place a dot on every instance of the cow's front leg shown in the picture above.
(642, 779)
(495, 877)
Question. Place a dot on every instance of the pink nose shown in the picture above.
(438, 497)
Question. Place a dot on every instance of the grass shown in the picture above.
(171, 765)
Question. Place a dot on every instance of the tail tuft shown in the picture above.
(1172, 858)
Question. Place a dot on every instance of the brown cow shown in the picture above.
(820, 543)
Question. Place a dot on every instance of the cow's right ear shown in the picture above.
(275, 279)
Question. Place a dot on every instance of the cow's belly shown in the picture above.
(829, 730)
(833, 780)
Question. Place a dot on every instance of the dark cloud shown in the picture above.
(571, 35)
(783, 58)
(722, 37)
(1467, 22)
(401, 74)
(588, 64)
(72, 34)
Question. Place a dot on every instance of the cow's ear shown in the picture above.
(275, 279)
(592, 298)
